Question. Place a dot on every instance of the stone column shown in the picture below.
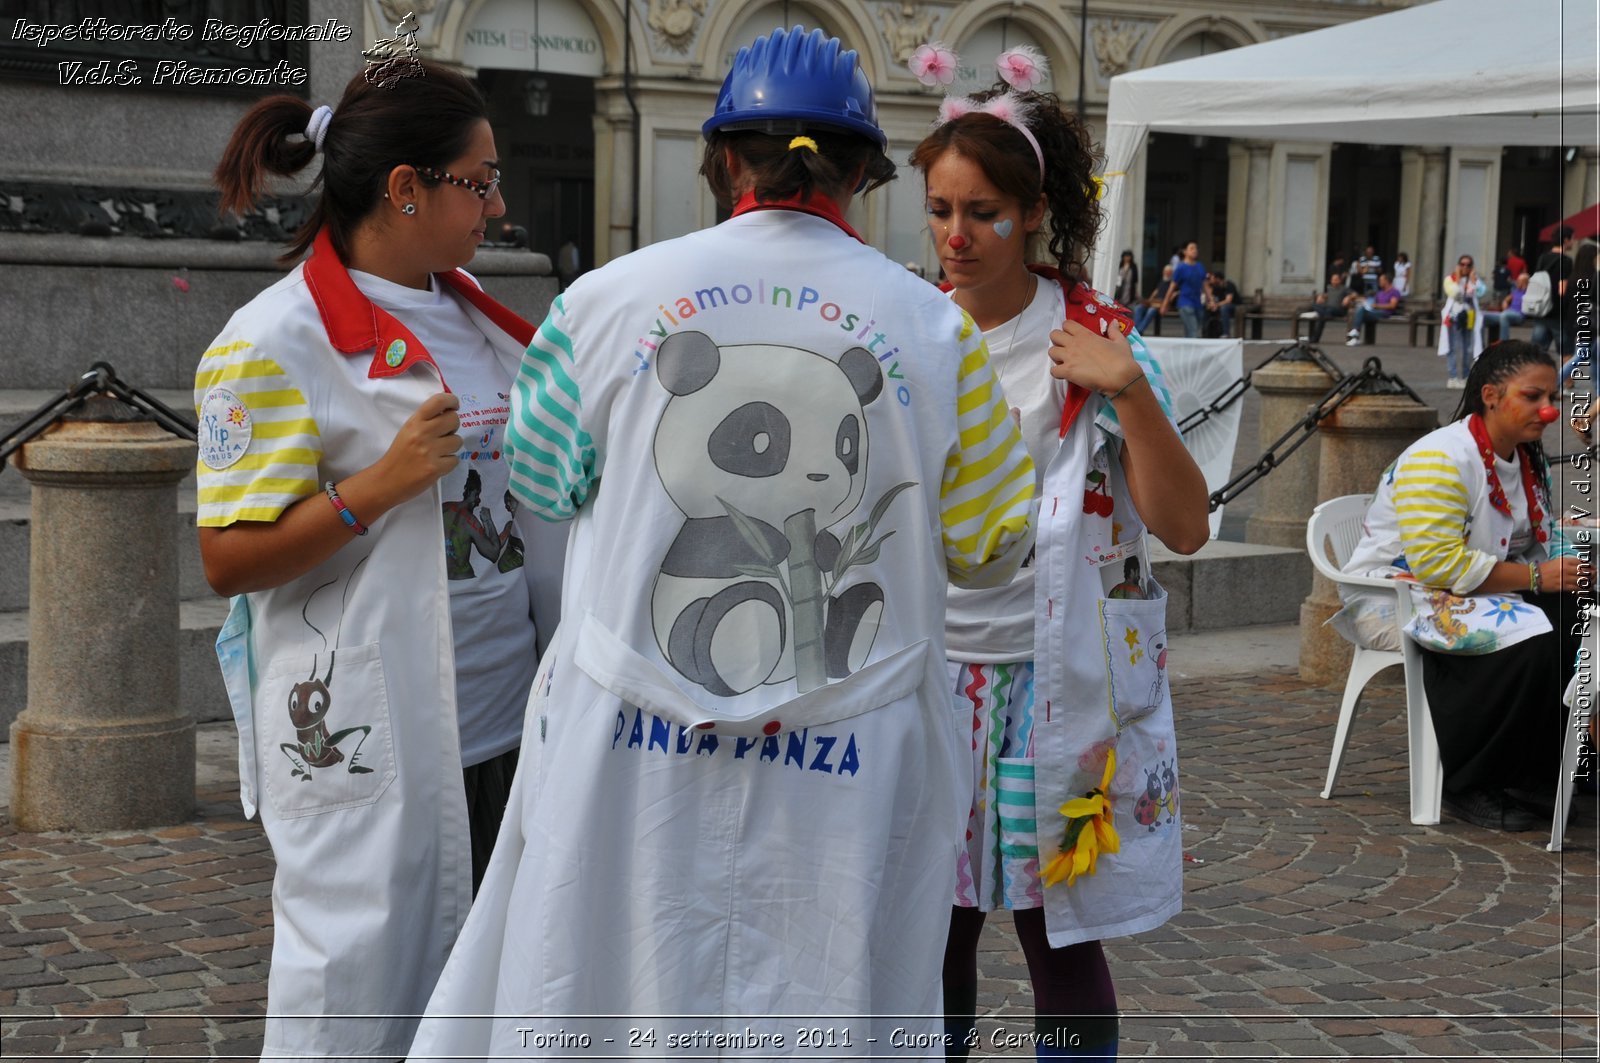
(104, 743)
(1426, 275)
(1407, 237)
(1359, 440)
(1258, 199)
(1288, 389)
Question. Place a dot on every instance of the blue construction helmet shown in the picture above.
(790, 81)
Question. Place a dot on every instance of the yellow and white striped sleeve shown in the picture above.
(986, 495)
(1431, 507)
(259, 443)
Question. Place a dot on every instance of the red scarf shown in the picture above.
(1088, 308)
(1497, 493)
(818, 206)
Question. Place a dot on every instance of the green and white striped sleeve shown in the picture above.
(1106, 417)
(553, 460)
(1431, 506)
(986, 495)
(259, 443)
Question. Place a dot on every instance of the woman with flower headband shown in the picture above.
(1465, 513)
(366, 667)
(1036, 664)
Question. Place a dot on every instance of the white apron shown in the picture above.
(342, 685)
(1101, 684)
(763, 874)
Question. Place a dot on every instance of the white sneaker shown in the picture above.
(1353, 341)
(1455, 384)
(1353, 333)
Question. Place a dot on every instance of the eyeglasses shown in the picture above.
(481, 189)
(1467, 262)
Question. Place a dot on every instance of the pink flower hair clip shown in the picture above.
(933, 64)
(1023, 68)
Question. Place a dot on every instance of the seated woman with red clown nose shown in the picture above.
(1465, 513)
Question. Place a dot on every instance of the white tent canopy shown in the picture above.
(1455, 72)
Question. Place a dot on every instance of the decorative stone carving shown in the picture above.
(395, 11)
(905, 29)
(1114, 42)
(44, 207)
(675, 22)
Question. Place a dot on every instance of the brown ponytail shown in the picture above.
(775, 171)
(423, 120)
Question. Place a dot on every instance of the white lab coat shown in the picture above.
(719, 871)
(373, 868)
(1101, 684)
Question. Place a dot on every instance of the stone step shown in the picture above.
(199, 681)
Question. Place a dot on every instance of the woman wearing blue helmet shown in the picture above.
(742, 788)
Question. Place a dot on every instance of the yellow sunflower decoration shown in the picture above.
(1089, 831)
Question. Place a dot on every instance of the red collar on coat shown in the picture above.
(818, 206)
(355, 324)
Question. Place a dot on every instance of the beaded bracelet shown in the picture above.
(1535, 580)
(343, 510)
(1125, 387)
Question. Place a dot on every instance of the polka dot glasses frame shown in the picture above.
(481, 189)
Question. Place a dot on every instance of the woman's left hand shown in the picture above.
(1080, 355)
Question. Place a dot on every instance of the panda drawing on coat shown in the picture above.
(764, 448)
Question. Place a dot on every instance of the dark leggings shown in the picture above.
(1074, 1001)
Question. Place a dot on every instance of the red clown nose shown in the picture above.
(957, 242)
(1548, 414)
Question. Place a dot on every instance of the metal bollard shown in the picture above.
(1359, 441)
(104, 743)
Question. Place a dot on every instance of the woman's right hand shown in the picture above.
(1567, 573)
(424, 449)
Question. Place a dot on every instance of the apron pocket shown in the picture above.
(323, 733)
(1134, 633)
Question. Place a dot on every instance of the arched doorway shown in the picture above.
(537, 61)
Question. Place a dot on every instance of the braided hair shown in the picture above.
(1497, 364)
(1007, 160)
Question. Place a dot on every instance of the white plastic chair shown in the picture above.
(1576, 697)
(1332, 533)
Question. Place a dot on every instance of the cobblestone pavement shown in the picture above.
(1312, 929)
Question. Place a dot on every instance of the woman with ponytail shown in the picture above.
(377, 642)
(1034, 664)
(1466, 515)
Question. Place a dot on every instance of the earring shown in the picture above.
(409, 208)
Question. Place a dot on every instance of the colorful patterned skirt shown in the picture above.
(999, 867)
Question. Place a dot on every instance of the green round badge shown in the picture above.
(395, 354)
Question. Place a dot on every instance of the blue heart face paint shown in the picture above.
(1002, 228)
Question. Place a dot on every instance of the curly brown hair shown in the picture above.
(1007, 160)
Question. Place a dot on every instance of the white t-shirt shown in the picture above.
(1510, 473)
(489, 609)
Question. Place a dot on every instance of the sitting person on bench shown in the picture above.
(1334, 302)
(1380, 306)
(1147, 316)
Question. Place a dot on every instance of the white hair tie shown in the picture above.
(317, 128)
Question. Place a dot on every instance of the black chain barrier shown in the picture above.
(1370, 380)
(101, 379)
(1299, 351)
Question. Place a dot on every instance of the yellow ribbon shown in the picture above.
(803, 142)
(1090, 830)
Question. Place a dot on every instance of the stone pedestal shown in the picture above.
(1288, 494)
(104, 743)
(1359, 440)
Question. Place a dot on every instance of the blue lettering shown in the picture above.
(660, 730)
(769, 748)
(824, 747)
(737, 288)
(622, 725)
(708, 745)
(904, 395)
(797, 748)
(685, 740)
(742, 746)
(804, 293)
(636, 736)
(850, 763)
